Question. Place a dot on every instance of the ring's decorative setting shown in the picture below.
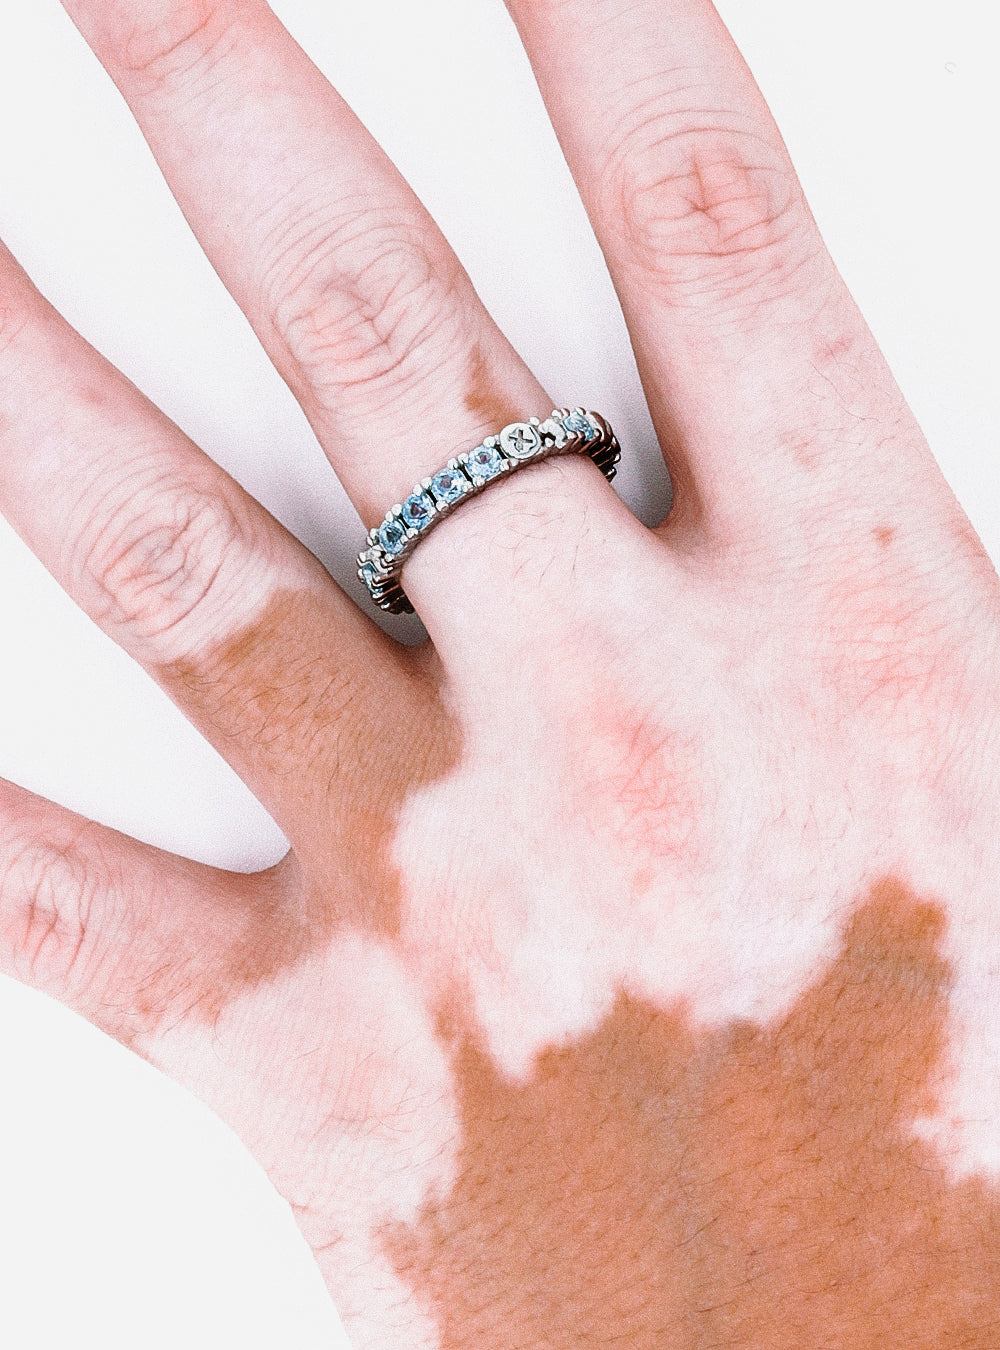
(565, 431)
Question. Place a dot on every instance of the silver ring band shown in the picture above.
(566, 431)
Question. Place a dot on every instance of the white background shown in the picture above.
(128, 1215)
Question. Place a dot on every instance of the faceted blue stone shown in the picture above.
(418, 509)
(485, 462)
(369, 574)
(392, 536)
(577, 422)
(449, 485)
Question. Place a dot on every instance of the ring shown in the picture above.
(389, 545)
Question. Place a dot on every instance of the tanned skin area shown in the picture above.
(633, 975)
(680, 1186)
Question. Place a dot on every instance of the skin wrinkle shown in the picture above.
(738, 1185)
(705, 193)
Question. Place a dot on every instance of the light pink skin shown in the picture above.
(685, 754)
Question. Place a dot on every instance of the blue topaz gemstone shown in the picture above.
(418, 509)
(449, 485)
(485, 462)
(576, 421)
(392, 536)
(370, 575)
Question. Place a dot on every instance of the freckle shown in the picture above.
(488, 404)
(642, 882)
(973, 550)
(885, 534)
(802, 446)
(838, 347)
(746, 1186)
(92, 395)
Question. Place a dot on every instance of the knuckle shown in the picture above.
(53, 889)
(167, 567)
(360, 301)
(707, 207)
(170, 46)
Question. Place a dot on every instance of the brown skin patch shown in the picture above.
(316, 726)
(231, 942)
(885, 534)
(656, 1184)
(488, 403)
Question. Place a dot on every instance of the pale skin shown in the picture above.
(651, 996)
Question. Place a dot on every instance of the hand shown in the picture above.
(632, 974)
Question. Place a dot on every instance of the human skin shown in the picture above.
(634, 974)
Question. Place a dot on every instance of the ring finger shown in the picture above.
(352, 289)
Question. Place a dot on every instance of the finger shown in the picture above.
(767, 390)
(353, 291)
(181, 567)
(127, 935)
